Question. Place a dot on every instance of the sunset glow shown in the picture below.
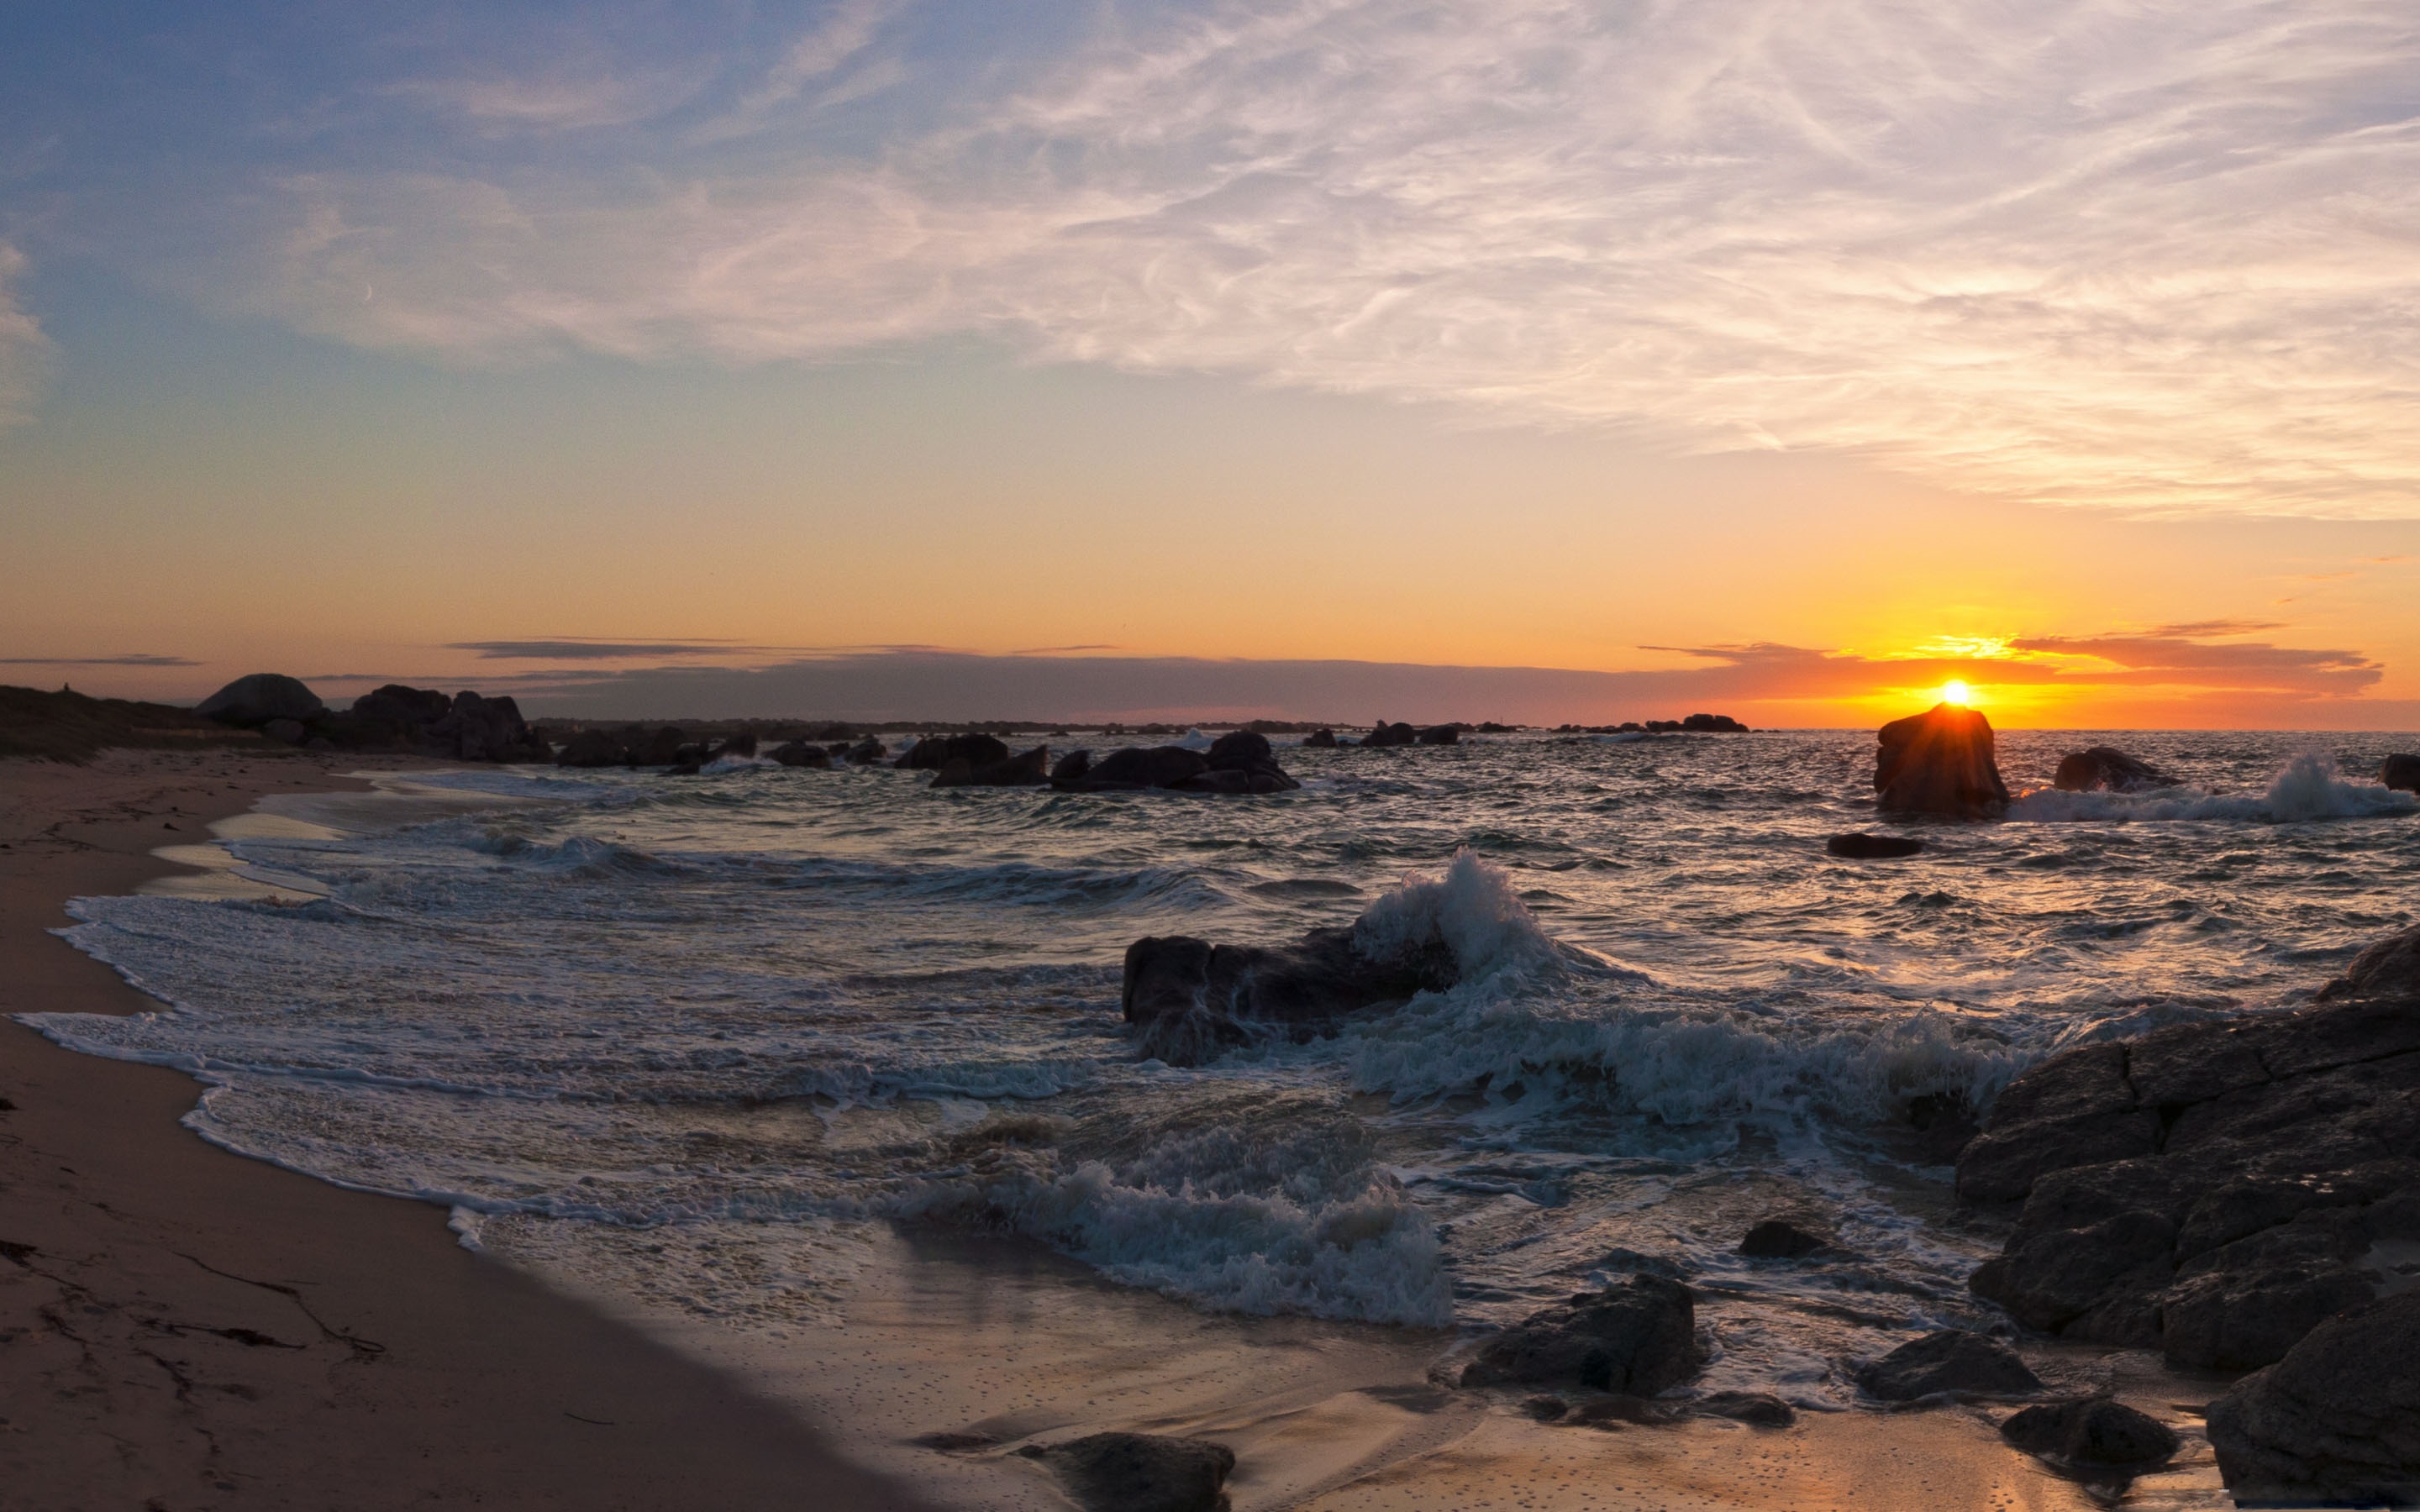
(1956, 692)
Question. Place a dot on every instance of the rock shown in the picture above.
(2212, 1190)
(1384, 734)
(866, 753)
(1940, 762)
(1719, 722)
(1242, 762)
(1861, 846)
(1614, 1409)
(742, 744)
(253, 700)
(1948, 1360)
(1190, 1001)
(1544, 1409)
(1140, 1471)
(482, 728)
(1439, 734)
(1072, 766)
(2104, 767)
(2402, 772)
(1635, 1337)
(287, 731)
(2091, 1431)
(660, 748)
(593, 747)
(799, 753)
(2336, 1420)
(1765, 1411)
(1321, 740)
(1777, 1239)
(1238, 762)
(1137, 767)
(934, 752)
(399, 713)
(1031, 770)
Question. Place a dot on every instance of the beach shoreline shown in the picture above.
(188, 1329)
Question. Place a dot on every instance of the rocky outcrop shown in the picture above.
(2214, 1191)
(866, 753)
(249, 703)
(1635, 1337)
(2336, 1421)
(1861, 846)
(1031, 770)
(2107, 768)
(1384, 734)
(1140, 1471)
(1777, 1239)
(1940, 762)
(1715, 723)
(803, 753)
(1189, 1000)
(1321, 740)
(2091, 1433)
(2400, 772)
(1440, 734)
(1238, 762)
(1949, 1361)
(934, 752)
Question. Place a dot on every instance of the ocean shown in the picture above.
(696, 1041)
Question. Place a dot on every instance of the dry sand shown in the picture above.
(192, 1329)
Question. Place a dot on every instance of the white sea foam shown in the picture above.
(2308, 787)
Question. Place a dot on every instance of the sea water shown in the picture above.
(691, 1040)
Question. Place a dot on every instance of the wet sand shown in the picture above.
(193, 1330)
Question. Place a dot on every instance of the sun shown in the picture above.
(1954, 691)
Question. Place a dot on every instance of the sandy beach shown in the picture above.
(193, 1330)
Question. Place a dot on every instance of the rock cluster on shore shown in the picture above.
(1238, 762)
(467, 727)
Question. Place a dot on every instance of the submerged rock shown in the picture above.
(1940, 762)
(1031, 770)
(2335, 1421)
(1321, 740)
(1238, 762)
(1440, 734)
(591, 747)
(2402, 772)
(1140, 1471)
(1861, 846)
(1948, 1360)
(801, 753)
(1384, 734)
(1189, 1000)
(253, 700)
(2214, 1191)
(934, 752)
(2104, 767)
(1776, 1239)
(1635, 1337)
(866, 753)
(2092, 1432)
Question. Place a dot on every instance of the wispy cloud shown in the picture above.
(2151, 257)
(137, 660)
(584, 649)
(24, 352)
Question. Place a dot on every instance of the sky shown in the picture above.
(1525, 359)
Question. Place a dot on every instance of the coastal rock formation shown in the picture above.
(2092, 1432)
(252, 701)
(1861, 846)
(1238, 762)
(1948, 1360)
(2400, 772)
(1384, 734)
(865, 752)
(1189, 1000)
(1031, 770)
(1635, 1337)
(801, 753)
(1757, 1407)
(1140, 1471)
(1720, 723)
(2336, 1421)
(1777, 1239)
(2107, 768)
(2214, 1191)
(1439, 734)
(1940, 762)
(1321, 740)
(934, 752)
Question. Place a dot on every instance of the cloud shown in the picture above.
(583, 649)
(137, 660)
(2158, 258)
(24, 352)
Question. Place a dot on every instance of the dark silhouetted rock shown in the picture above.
(1777, 1239)
(656, 747)
(1721, 723)
(2103, 766)
(800, 753)
(2092, 1432)
(1384, 734)
(1140, 766)
(1637, 1337)
(482, 728)
(2212, 1190)
(1940, 762)
(1140, 1471)
(253, 700)
(1321, 740)
(1031, 770)
(1072, 766)
(934, 752)
(1756, 1407)
(742, 744)
(1861, 846)
(2336, 1421)
(866, 753)
(1440, 734)
(1189, 1000)
(1948, 1360)
(591, 747)
(397, 712)
(1544, 1409)
(2402, 772)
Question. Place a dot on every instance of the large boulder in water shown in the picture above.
(2107, 768)
(2402, 772)
(2216, 1190)
(934, 752)
(1239, 762)
(1190, 1000)
(253, 700)
(1635, 1337)
(1384, 734)
(2337, 1422)
(1940, 762)
(1031, 770)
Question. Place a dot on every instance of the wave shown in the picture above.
(2310, 788)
